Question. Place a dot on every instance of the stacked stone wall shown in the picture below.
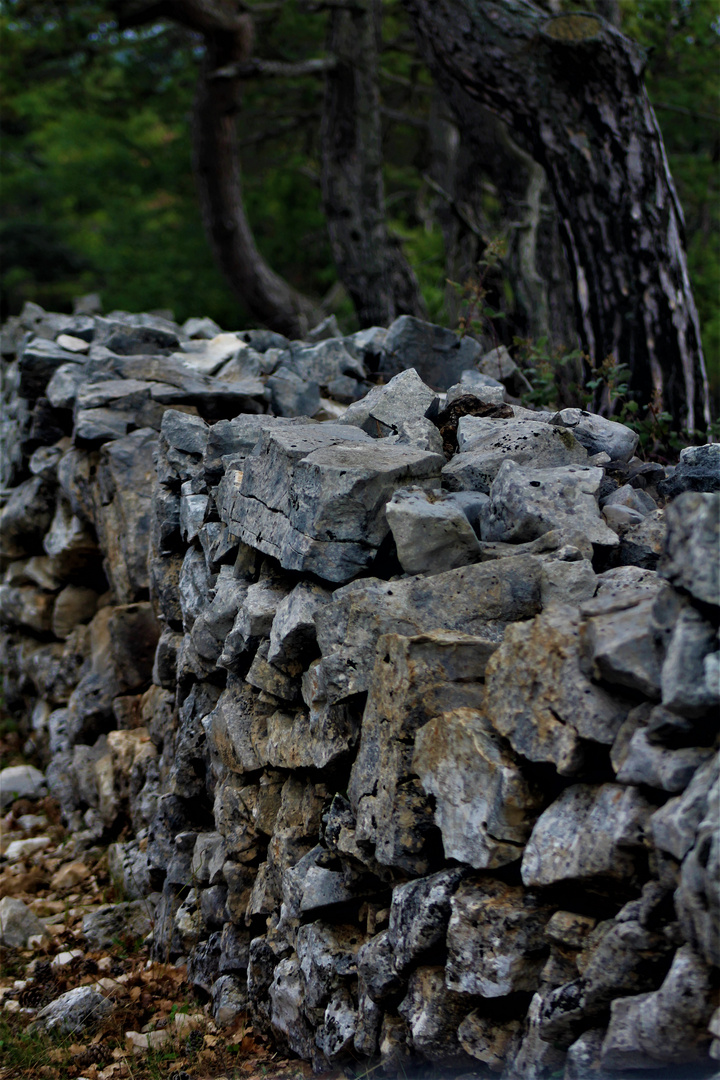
(403, 714)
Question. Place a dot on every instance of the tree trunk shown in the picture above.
(216, 159)
(369, 261)
(570, 89)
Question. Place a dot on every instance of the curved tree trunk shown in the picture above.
(216, 159)
(369, 261)
(570, 89)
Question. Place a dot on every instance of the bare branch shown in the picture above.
(273, 69)
(454, 206)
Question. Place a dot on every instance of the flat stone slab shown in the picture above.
(478, 600)
(314, 497)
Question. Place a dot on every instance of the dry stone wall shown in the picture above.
(403, 716)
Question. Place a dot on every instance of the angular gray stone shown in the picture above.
(291, 395)
(315, 497)
(414, 679)
(484, 807)
(590, 833)
(549, 706)
(667, 1027)
(486, 443)
(323, 362)
(17, 923)
(419, 915)
(697, 899)
(292, 634)
(622, 643)
(477, 600)
(433, 1014)
(693, 539)
(39, 359)
(20, 782)
(598, 434)
(569, 582)
(685, 688)
(385, 409)
(130, 920)
(74, 1011)
(431, 533)
(659, 767)
(376, 967)
(488, 1040)
(438, 355)
(526, 503)
(674, 826)
(496, 941)
(697, 470)
(215, 620)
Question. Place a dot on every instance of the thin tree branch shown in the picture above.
(264, 69)
(715, 117)
(454, 206)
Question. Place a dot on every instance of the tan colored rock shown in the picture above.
(484, 807)
(70, 875)
(414, 679)
(75, 604)
(539, 697)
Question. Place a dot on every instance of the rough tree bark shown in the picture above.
(570, 88)
(216, 159)
(369, 261)
(535, 263)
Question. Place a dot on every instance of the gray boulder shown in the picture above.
(496, 940)
(315, 498)
(597, 434)
(431, 532)
(485, 444)
(478, 600)
(693, 539)
(385, 408)
(591, 833)
(484, 807)
(526, 503)
(74, 1011)
(18, 923)
(438, 355)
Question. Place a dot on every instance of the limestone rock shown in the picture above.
(675, 825)
(496, 942)
(74, 1011)
(385, 409)
(697, 470)
(317, 504)
(292, 633)
(488, 1040)
(20, 782)
(666, 1027)
(591, 833)
(431, 533)
(18, 923)
(477, 600)
(438, 355)
(129, 920)
(485, 444)
(413, 680)
(598, 434)
(526, 503)
(419, 916)
(433, 1014)
(125, 476)
(549, 706)
(693, 537)
(484, 807)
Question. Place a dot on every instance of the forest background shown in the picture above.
(98, 192)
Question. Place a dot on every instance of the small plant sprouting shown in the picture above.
(478, 316)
